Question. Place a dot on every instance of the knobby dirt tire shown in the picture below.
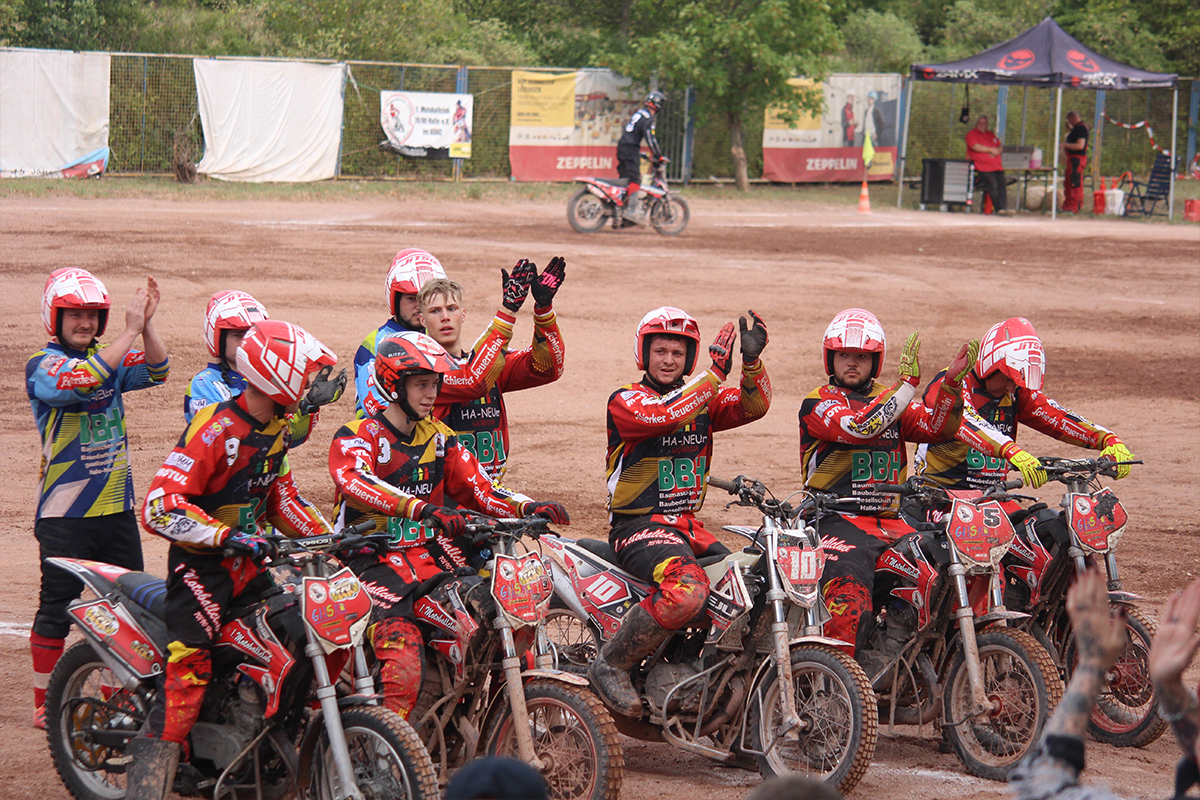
(574, 642)
(388, 757)
(1126, 712)
(670, 216)
(573, 734)
(81, 673)
(586, 212)
(834, 696)
(1022, 678)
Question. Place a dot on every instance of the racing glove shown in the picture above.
(252, 544)
(516, 286)
(546, 285)
(753, 338)
(555, 512)
(963, 362)
(1030, 468)
(721, 351)
(1115, 450)
(910, 367)
(323, 390)
(450, 521)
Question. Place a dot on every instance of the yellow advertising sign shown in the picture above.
(883, 164)
(543, 100)
(806, 122)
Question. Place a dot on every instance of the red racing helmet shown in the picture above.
(72, 287)
(673, 322)
(855, 329)
(411, 269)
(1013, 347)
(277, 357)
(229, 311)
(404, 354)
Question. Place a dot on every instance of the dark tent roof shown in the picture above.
(1044, 55)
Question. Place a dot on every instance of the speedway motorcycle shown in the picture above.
(596, 203)
(479, 693)
(1051, 548)
(755, 684)
(940, 646)
(270, 723)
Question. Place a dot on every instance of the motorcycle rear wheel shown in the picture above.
(574, 642)
(80, 674)
(670, 216)
(586, 212)
(834, 696)
(1021, 678)
(1126, 712)
(388, 758)
(573, 736)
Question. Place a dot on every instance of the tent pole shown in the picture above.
(1174, 157)
(908, 90)
(1024, 112)
(1057, 134)
(1098, 132)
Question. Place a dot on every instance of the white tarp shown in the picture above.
(53, 109)
(269, 120)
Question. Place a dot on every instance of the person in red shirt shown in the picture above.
(984, 149)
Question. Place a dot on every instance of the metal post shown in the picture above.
(1098, 132)
(1024, 113)
(1057, 136)
(1194, 120)
(145, 100)
(460, 86)
(906, 100)
(1002, 113)
(1174, 157)
(337, 172)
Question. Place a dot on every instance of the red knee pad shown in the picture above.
(187, 676)
(397, 643)
(847, 600)
(682, 593)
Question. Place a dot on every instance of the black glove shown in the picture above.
(754, 338)
(547, 284)
(251, 544)
(721, 351)
(322, 390)
(450, 521)
(555, 512)
(516, 286)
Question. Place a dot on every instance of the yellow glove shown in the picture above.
(963, 362)
(1117, 451)
(910, 368)
(1030, 468)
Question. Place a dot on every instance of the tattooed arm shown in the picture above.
(1174, 646)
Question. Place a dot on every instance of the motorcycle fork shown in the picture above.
(980, 704)
(511, 664)
(779, 630)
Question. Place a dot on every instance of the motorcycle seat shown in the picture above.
(146, 590)
(599, 548)
(614, 181)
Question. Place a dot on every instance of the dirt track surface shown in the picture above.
(1117, 304)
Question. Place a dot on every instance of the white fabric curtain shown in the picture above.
(53, 109)
(269, 120)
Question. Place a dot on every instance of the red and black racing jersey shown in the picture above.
(228, 471)
(660, 444)
(975, 457)
(850, 440)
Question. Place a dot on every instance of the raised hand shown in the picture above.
(963, 362)
(1176, 641)
(1100, 634)
(753, 338)
(323, 390)
(516, 286)
(546, 285)
(721, 351)
(910, 366)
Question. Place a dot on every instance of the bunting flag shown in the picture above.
(1143, 124)
(868, 150)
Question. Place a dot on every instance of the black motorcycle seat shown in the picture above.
(146, 590)
(599, 548)
(614, 181)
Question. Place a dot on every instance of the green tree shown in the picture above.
(879, 42)
(60, 24)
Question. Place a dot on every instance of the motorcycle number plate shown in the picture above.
(334, 607)
(977, 530)
(522, 589)
(120, 634)
(1093, 518)
(801, 566)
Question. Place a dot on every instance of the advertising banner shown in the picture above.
(427, 125)
(566, 125)
(829, 148)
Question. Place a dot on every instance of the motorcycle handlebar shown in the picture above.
(1015, 483)
(902, 489)
(721, 483)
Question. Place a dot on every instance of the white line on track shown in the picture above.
(14, 628)
(928, 773)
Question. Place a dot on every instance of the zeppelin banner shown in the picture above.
(829, 148)
(566, 125)
(427, 125)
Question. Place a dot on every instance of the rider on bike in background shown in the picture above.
(401, 468)
(629, 156)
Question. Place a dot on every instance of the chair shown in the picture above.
(1143, 198)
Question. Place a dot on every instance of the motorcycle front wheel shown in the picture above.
(670, 216)
(586, 212)
(1126, 712)
(839, 716)
(83, 699)
(1022, 684)
(388, 759)
(573, 737)
(573, 641)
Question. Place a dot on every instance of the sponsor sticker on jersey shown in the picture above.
(180, 462)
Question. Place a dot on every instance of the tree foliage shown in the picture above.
(878, 41)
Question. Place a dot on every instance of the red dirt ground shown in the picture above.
(1117, 303)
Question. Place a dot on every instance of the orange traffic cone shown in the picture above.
(864, 201)
(1098, 199)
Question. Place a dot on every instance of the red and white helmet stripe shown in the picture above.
(1014, 348)
(411, 269)
(668, 320)
(72, 287)
(235, 311)
(854, 329)
(277, 357)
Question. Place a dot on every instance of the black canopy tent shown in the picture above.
(1045, 56)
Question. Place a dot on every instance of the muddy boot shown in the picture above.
(618, 218)
(152, 771)
(636, 211)
(637, 637)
